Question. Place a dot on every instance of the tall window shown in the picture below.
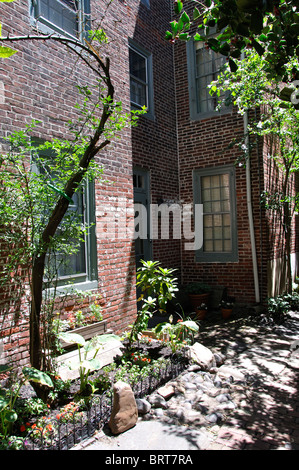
(215, 190)
(69, 17)
(79, 266)
(203, 67)
(141, 80)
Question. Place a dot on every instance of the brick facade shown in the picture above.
(40, 83)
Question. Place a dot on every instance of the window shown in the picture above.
(203, 67)
(79, 267)
(69, 17)
(141, 81)
(146, 3)
(215, 190)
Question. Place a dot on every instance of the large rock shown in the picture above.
(124, 413)
(202, 356)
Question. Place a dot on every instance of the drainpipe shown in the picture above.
(250, 214)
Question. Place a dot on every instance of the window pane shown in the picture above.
(138, 78)
(138, 93)
(62, 14)
(75, 263)
(215, 196)
(137, 65)
(207, 67)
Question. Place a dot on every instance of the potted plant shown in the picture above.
(87, 324)
(226, 308)
(201, 311)
(199, 293)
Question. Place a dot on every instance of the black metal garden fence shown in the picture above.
(64, 432)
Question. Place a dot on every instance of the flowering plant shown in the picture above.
(226, 304)
(202, 307)
(69, 412)
(140, 359)
(78, 319)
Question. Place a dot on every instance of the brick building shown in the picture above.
(178, 155)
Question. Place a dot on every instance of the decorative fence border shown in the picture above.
(56, 435)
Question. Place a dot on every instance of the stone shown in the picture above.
(157, 401)
(219, 358)
(228, 372)
(229, 405)
(223, 397)
(124, 414)
(167, 391)
(194, 368)
(214, 417)
(143, 406)
(202, 356)
(158, 412)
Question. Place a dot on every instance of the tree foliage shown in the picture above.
(35, 221)
(270, 27)
(277, 122)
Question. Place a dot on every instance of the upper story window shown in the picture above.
(203, 67)
(146, 3)
(141, 79)
(69, 17)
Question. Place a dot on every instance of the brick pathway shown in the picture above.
(266, 415)
(267, 412)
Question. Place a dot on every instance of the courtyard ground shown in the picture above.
(262, 359)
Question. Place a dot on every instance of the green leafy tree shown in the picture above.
(277, 123)
(34, 204)
(270, 27)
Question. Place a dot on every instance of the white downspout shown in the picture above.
(250, 214)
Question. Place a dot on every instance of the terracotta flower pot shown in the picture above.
(226, 312)
(200, 314)
(198, 299)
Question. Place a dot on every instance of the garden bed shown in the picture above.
(70, 418)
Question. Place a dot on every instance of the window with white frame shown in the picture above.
(203, 67)
(141, 80)
(214, 188)
(69, 17)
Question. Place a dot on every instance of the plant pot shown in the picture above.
(198, 299)
(88, 331)
(226, 312)
(200, 314)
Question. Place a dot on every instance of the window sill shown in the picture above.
(211, 115)
(69, 288)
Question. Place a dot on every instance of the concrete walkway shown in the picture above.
(267, 413)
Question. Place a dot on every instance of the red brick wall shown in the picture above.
(203, 144)
(154, 142)
(39, 83)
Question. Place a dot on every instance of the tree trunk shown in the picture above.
(35, 312)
